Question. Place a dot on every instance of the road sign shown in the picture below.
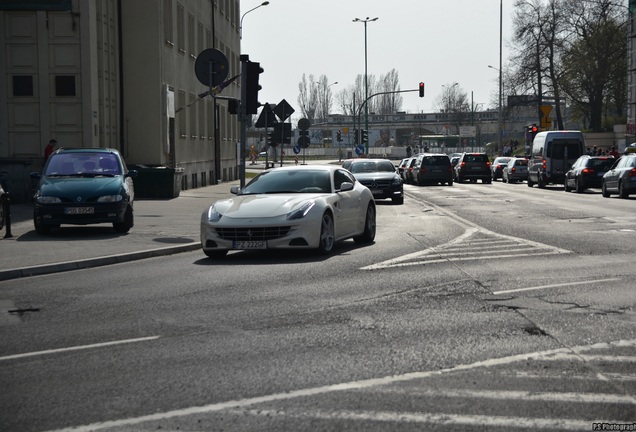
(303, 141)
(267, 118)
(211, 67)
(546, 110)
(546, 122)
(283, 110)
(303, 124)
(359, 150)
(296, 149)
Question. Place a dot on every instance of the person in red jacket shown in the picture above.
(49, 149)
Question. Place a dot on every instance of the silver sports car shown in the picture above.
(299, 207)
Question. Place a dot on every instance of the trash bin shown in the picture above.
(157, 182)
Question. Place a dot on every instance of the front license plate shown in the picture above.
(249, 244)
(376, 191)
(79, 210)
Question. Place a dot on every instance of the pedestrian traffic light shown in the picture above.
(364, 136)
(253, 70)
(356, 136)
(421, 89)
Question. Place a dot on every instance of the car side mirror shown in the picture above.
(132, 173)
(235, 189)
(345, 186)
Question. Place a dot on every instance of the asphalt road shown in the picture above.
(479, 307)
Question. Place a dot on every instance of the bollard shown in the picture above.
(6, 199)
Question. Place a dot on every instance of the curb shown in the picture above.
(95, 262)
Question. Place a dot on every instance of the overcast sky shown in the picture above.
(439, 42)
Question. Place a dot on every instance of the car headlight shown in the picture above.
(48, 200)
(110, 198)
(396, 181)
(302, 211)
(213, 215)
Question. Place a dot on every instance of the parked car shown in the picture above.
(84, 186)
(587, 172)
(473, 167)
(346, 163)
(621, 177)
(400, 167)
(381, 177)
(408, 175)
(498, 165)
(553, 154)
(515, 170)
(294, 207)
(433, 168)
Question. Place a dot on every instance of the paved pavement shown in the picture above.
(162, 227)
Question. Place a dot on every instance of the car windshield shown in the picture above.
(601, 164)
(435, 160)
(289, 181)
(372, 166)
(476, 158)
(82, 164)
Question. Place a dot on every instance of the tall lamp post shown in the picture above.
(366, 83)
(499, 115)
(265, 3)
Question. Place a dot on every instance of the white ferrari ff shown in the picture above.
(299, 207)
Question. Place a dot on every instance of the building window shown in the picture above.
(22, 85)
(181, 28)
(65, 85)
(167, 22)
(191, 30)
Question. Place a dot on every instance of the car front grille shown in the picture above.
(376, 184)
(250, 233)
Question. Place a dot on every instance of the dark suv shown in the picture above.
(433, 168)
(473, 167)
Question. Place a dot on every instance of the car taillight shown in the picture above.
(588, 171)
(463, 164)
(545, 164)
(632, 172)
(513, 169)
(488, 164)
(422, 169)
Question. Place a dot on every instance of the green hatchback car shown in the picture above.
(84, 186)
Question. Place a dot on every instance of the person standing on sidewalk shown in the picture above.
(49, 149)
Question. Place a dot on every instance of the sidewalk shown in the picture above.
(162, 227)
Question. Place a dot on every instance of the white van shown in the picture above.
(553, 153)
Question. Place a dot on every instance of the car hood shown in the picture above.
(265, 205)
(80, 187)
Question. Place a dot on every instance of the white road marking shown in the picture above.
(563, 424)
(555, 285)
(474, 244)
(77, 348)
(433, 418)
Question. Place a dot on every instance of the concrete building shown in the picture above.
(118, 74)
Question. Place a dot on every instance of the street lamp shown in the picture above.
(265, 3)
(499, 115)
(366, 83)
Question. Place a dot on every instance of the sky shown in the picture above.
(438, 42)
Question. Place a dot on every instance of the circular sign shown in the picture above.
(211, 67)
(303, 124)
(296, 149)
(359, 150)
(303, 141)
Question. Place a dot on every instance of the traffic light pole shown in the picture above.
(243, 119)
(364, 104)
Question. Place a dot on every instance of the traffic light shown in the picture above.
(271, 139)
(253, 70)
(338, 136)
(421, 89)
(356, 136)
(364, 136)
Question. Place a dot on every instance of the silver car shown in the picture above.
(516, 170)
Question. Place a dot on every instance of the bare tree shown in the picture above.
(389, 102)
(308, 98)
(454, 102)
(325, 100)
